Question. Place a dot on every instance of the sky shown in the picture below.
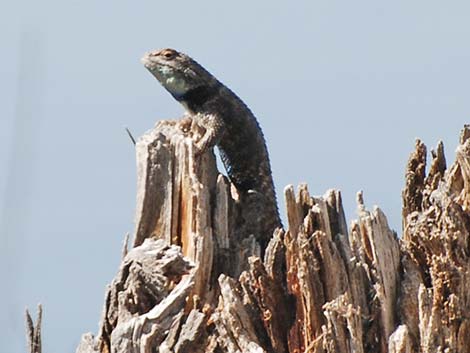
(341, 90)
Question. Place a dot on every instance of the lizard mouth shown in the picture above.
(170, 78)
(148, 61)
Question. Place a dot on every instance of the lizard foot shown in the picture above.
(185, 124)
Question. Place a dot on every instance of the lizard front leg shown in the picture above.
(214, 128)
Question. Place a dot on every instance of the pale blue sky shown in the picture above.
(341, 90)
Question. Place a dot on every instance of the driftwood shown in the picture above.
(194, 282)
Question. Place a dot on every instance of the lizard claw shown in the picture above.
(199, 148)
(185, 124)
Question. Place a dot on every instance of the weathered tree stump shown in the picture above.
(194, 282)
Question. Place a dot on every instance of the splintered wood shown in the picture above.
(436, 280)
(194, 281)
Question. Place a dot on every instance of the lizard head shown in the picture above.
(176, 71)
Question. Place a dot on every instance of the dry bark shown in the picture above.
(194, 281)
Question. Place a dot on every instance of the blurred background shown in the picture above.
(341, 89)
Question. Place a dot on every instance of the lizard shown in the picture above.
(231, 126)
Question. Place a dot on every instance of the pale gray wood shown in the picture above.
(191, 332)
(88, 344)
(400, 341)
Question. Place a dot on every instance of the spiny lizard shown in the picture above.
(229, 124)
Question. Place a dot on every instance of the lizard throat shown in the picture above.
(196, 97)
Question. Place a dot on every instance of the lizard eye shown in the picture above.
(169, 54)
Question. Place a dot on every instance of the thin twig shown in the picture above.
(125, 246)
(130, 135)
(29, 330)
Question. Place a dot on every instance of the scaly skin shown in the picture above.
(230, 125)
